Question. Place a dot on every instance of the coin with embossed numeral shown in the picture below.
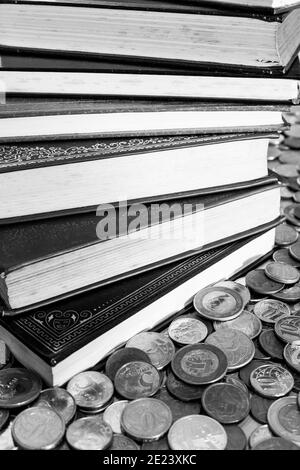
(284, 418)
(269, 310)
(18, 387)
(199, 364)
(146, 419)
(288, 329)
(91, 433)
(272, 381)
(218, 303)
(91, 390)
(226, 403)
(136, 380)
(159, 348)
(186, 330)
(246, 322)
(291, 354)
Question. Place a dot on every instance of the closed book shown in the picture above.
(53, 258)
(52, 178)
(69, 336)
(151, 36)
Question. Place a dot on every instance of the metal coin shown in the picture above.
(146, 419)
(246, 322)
(121, 357)
(91, 390)
(285, 235)
(38, 428)
(60, 401)
(6, 440)
(291, 355)
(218, 303)
(284, 418)
(236, 438)
(289, 294)
(237, 287)
(283, 256)
(260, 434)
(270, 344)
(245, 372)
(18, 387)
(226, 403)
(234, 379)
(137, 380)
(238, 348)
(121, 442)
(197, 432)
(287, 170)
(295, 309)
(286, 193)
(178, 408)
(91, 433)
(271, 381)
(281, 272)
(183, 391)
(269, 310)
(259, 353)
(288, 329)
(159, 348)
(289, 213)
(199, 364)
(185, 330)
(276, 443)
(161, 444)
(261, 284)
(294, 251)
(259, 407)
(4, 415)
(112, 415)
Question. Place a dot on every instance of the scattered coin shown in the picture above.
(271, 344)
(237, 287)
(285, 235)
(259, 407)
(246, 322)
(60, 401)
(246, 371)
(226, 403)
(271, 381)
(283, 256)
(121, 442)
(238, 348)
(183, 391)
(91, 433)
(159, 348)
(276, 443)
(261, 284)
(146, 419)
(281, 272)
(4, 415)
(289, 212)
(286, 169)
(234, 379)
(236, 438)
(197, 432)
(112, 415)
(289, 294)
(248, 425)
(38, 428)
(18, 387)
(91, 390)
(288, 329)
(294, 251)
(260, 434)
(178, 408)
(291, 354)
(199, 364)
(218, 303)
(269, 310)
(121, 357)
(161, 444)
(284, 418)
(185, 330)
(259, 353)
(137, 380)
(6, 440)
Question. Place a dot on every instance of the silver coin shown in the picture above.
(246, 322)
(91, 433)
(260, 434)
(60, 400)
(284, 418)
(285, 235)
(238, 287)
(291, 354)
(270, 310)
(271, 381)
(6, 439)
(159, 348)
(186, 330)
(112, 415)
(218, 303)
(137, 380)
(91, 390)
(288, 329)
(281, 272)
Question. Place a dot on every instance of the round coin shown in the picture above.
(284, 418)
(18, 387)
(288, 329)
(236, 438)
(261, 284)
(197, 432)
(287, 170)
(137, 380)
(60, 401)
(259, 435)
(226, 403)
(183, 391)
(91, 390)
(271, 381)
(91, 433)
(294, 251)
(245, 372)
(291, 354)
(289, 294)
(271, 344)
(234, 379)
(159, 348)
(218, 303)
(178, 408)
(121, 357)
(246, 322)
(146, 419)
(121, 442)
(239, 288)
(285, 235)
(199, 364)
(276, 443)
(6, 440)
(112, 415)
(238, 348)
(281, 272)
(259, 407)
(283, 256)
(185, 330)
(4, 415)
(38, 428)
(269, 310)
(289, 212)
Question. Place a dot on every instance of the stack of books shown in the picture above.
(133, 163)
